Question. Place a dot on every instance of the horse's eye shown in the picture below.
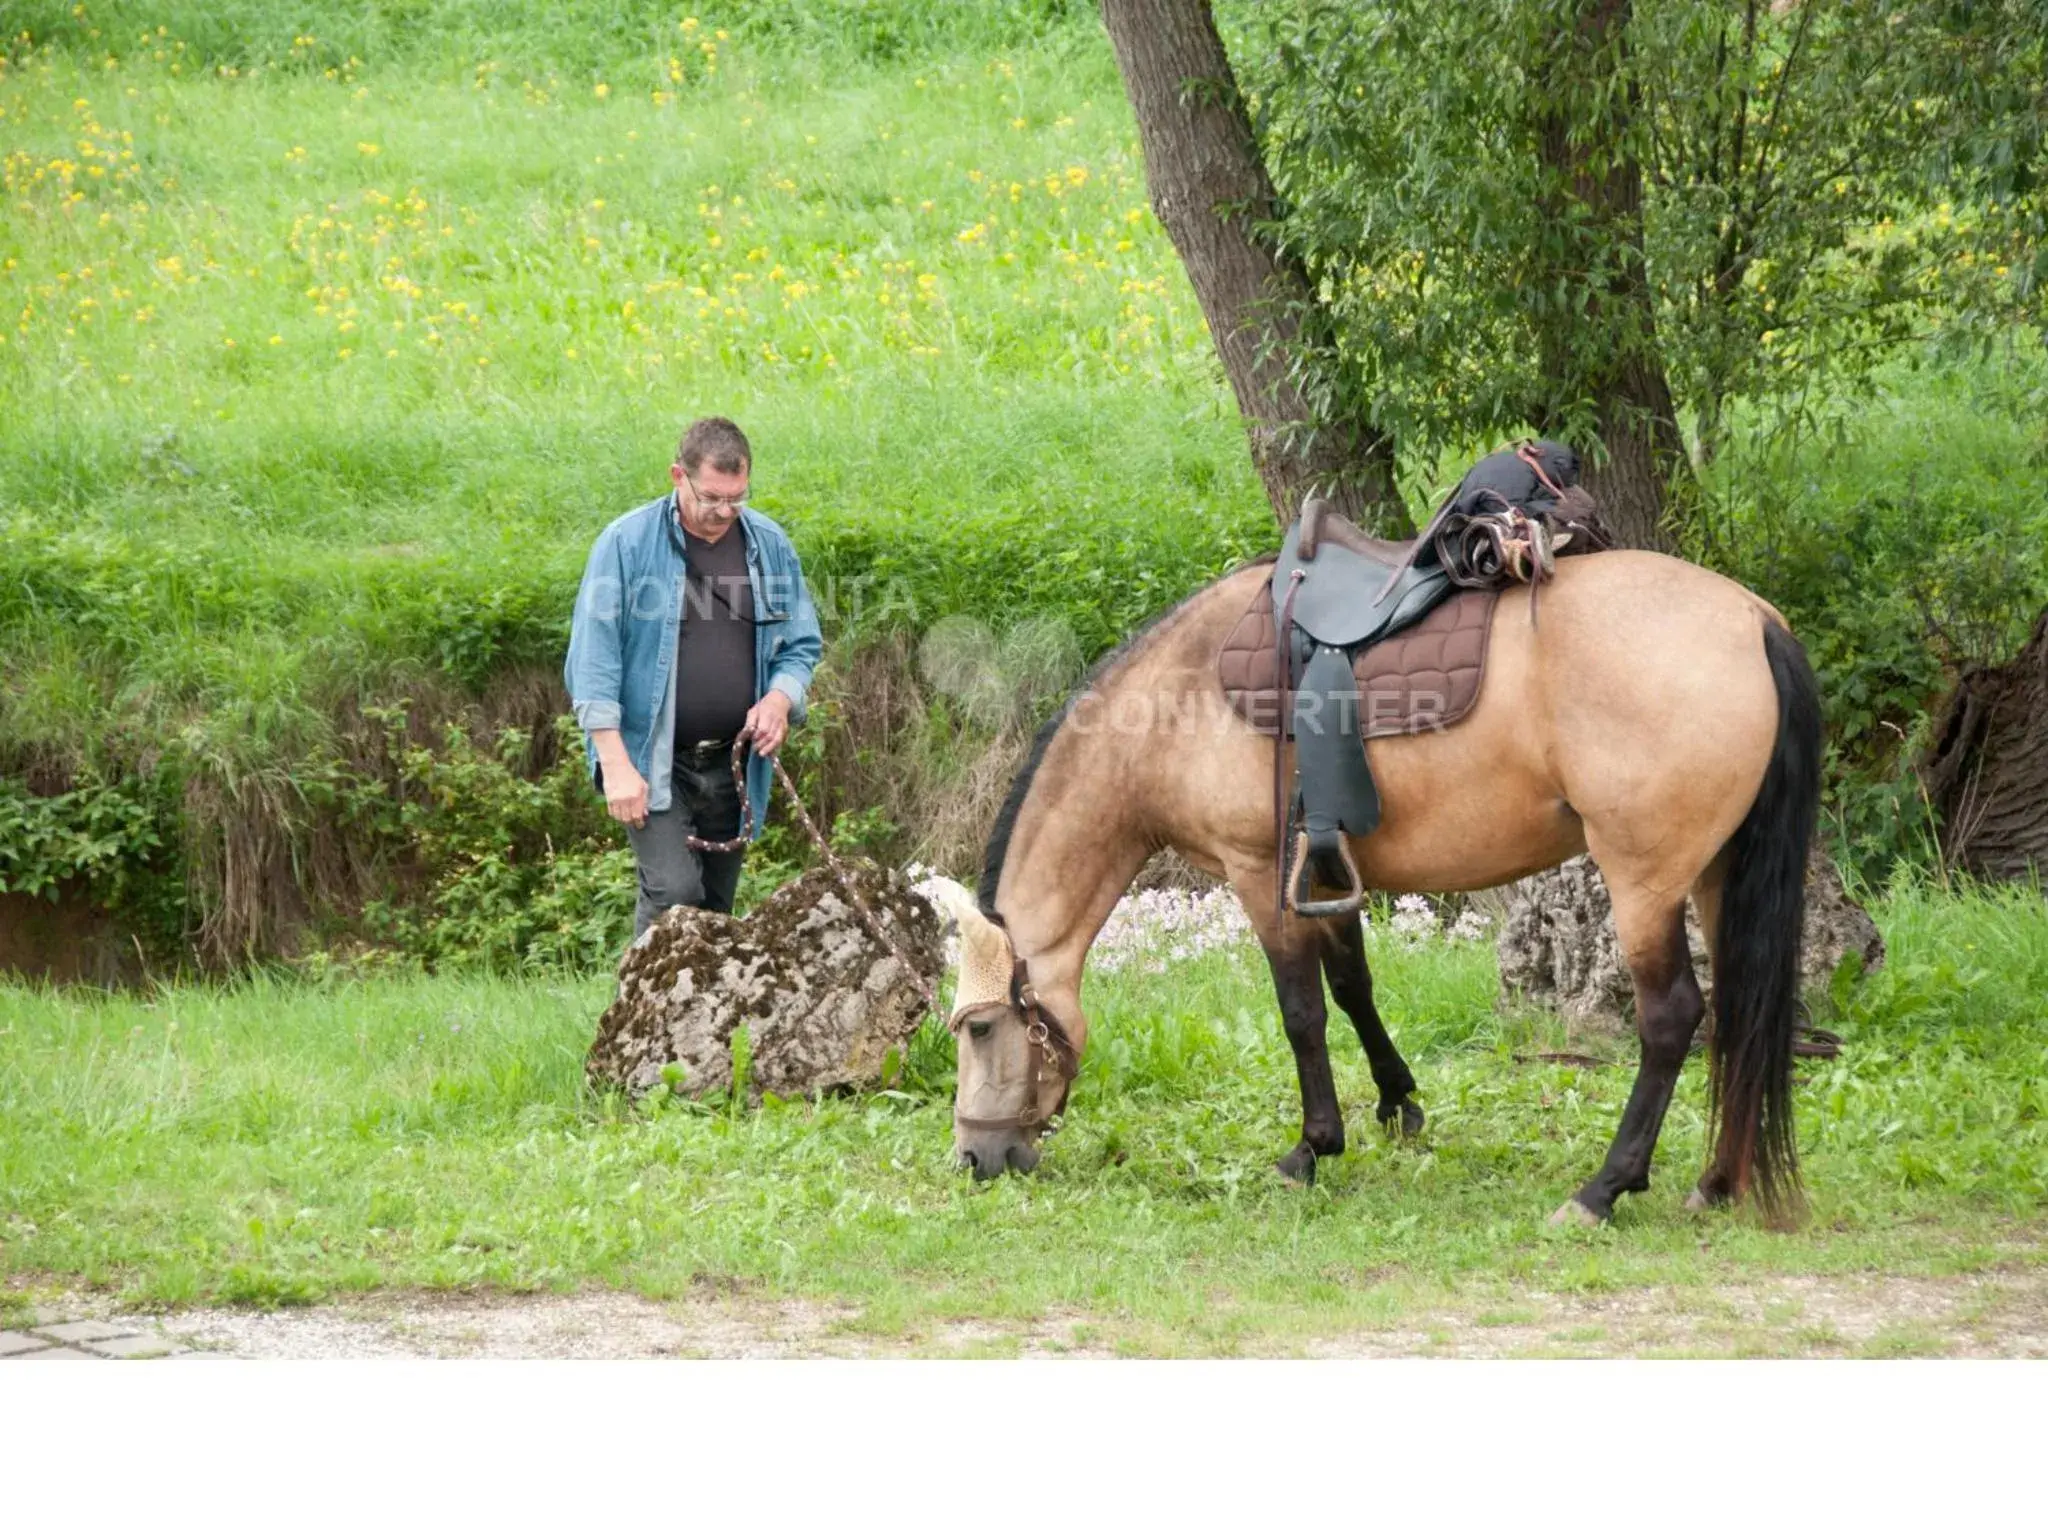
(979, 1028)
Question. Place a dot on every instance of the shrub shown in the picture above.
(1903, 545)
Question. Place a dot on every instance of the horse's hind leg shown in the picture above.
(1668, 1010)
(1350, 978)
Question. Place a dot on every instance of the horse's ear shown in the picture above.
(952, 899)
(986, 959)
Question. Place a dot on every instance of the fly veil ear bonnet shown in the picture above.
(986, 960)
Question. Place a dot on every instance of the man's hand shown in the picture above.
(625, 792)
(768, 722)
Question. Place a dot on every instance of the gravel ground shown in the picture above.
(592, 1325)
(2000, 1314)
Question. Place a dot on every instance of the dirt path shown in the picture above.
(2002, 1314)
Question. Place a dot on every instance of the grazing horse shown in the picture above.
(1659, 716)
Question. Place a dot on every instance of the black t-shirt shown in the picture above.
(715, 650)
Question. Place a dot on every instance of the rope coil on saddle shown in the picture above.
(1482, 539)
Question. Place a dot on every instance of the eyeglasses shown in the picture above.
(716, 503)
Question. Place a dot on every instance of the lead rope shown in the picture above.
(1035, 1030)
(845, 882)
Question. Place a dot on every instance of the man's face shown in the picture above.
(710, 498)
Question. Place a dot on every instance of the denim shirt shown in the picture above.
(621, 671)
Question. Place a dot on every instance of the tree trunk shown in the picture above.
(1557, 946)
(1585, 135)
(1210, 189)
(1987, 772)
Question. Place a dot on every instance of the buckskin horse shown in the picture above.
(1652, 713)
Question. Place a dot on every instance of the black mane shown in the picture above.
(1013, 804)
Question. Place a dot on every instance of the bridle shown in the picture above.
(1052, 1051)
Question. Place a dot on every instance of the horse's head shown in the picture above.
(1015, 1059)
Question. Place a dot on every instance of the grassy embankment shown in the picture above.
(269, 1144)
(500, 270)
(319, 377)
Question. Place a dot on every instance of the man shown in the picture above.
(692, 628)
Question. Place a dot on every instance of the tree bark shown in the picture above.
(1986, 775)
(1210, 188)
(1644, 458)
(1557, 945)
(1584, 133)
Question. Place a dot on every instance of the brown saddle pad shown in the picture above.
(1423, 679)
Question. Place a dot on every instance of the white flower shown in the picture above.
(1149, 928)
(1470, 927)
(1415, 920)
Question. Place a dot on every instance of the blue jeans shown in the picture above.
(705, 801)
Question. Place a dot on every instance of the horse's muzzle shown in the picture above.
(992, 1154)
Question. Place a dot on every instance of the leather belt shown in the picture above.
(698, 753)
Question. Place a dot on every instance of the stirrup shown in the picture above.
(1298, 884)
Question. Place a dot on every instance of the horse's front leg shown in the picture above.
(1296, 959)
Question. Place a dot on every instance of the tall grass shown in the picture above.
(1899, 535)
(439, 325)
(633, 36)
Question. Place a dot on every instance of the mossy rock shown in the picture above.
(822, 1000)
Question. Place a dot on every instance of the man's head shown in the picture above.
(713, 463)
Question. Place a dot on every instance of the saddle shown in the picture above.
(1356, 637)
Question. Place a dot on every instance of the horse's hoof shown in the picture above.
(1573, 1214)
(1404, 1119)
(1299, 1166)
(1704, 1200)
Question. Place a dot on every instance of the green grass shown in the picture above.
(329, 339)
(317, 358)
(272, 1143)
(315, 388)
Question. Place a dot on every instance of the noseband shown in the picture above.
(1052, 1052)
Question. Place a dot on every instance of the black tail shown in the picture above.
(1756, 956)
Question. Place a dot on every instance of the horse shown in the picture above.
(1654, 714)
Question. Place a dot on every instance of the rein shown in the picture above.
(1052, 1047)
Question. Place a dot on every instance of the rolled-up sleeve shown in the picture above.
(593, 668)
(598, 714)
